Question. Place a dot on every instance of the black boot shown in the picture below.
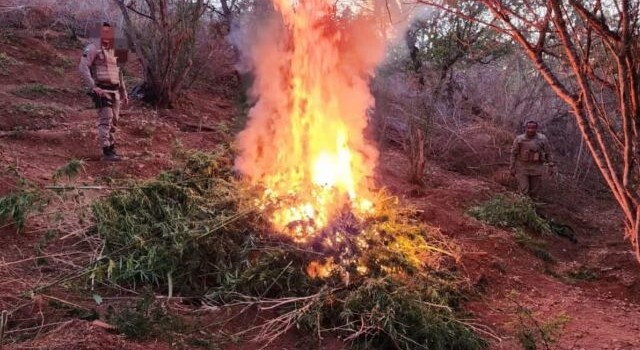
(108, 154)
(112, 148)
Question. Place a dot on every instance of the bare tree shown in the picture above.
(164, 35)
(588, 53)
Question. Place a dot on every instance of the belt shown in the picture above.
(108, 86)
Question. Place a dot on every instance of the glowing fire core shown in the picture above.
(304, 142)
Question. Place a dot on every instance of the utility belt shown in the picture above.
(114, 87)
(532, 157)
(107, 100)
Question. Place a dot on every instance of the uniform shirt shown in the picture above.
(99, 67)
(529, 154)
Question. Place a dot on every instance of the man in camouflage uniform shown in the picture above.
(529, 154)
(103, 79)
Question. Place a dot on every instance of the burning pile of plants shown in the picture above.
(383, 281)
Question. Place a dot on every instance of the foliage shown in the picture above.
(582, 273)
(69, 170)
(588, 54)
(34, 90)
(387, 313)
(537, 247)
(444, 39)
(19, 203)
(533, 333)
(6, 62)
(35, 110)
(195, 231)
(144, 319)
(511, 210)
(181, 227)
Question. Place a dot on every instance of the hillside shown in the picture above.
(586, 296)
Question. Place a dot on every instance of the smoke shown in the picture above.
(336, 56)
(311, 67)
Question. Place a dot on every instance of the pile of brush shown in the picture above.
(388, 284)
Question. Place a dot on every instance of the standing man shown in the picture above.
(103, 79)
(529, 153)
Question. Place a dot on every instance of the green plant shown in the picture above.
(535, 246)
(17, 205)
(533, 333)
(8, 36)
(17, 133)
(197, 231)
(35, 110)
(180, 227)
(69, 170)
(582, 273)
(6, 62)
(65, 62)
(511, 210)
(30, 116)
(147, 318)
(58, 70)
(385, 313)
(34, 90)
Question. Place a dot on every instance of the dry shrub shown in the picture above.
(27, 17)
(76, 17)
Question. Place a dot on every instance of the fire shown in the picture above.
(305, 139)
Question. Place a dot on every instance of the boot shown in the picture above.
(108, 154)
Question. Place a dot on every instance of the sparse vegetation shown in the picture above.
(582, 273)
(30, 116)
(535, 246)
(144, 319)
(533, 333)
(6, 62)
(19, 203)
(33, 91)
(35, 110)
(69, 170)
(65, 62)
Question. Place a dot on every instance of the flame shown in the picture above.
(304, 141)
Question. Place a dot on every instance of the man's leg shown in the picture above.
(105, 115)
(114, 119)
(535, 184)
(523, 183)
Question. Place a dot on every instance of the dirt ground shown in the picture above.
(40, 133)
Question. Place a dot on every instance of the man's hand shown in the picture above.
(98, 91)
(551, 169)
(512, 171)
(125, 99)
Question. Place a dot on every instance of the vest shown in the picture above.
(532, 150)
(106, 70)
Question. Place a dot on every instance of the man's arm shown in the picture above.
(123, 89)
(515, 149)
(88, 55)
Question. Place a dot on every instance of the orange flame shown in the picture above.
(304, 140)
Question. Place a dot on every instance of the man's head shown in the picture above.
(106, 35)
(531, 128)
